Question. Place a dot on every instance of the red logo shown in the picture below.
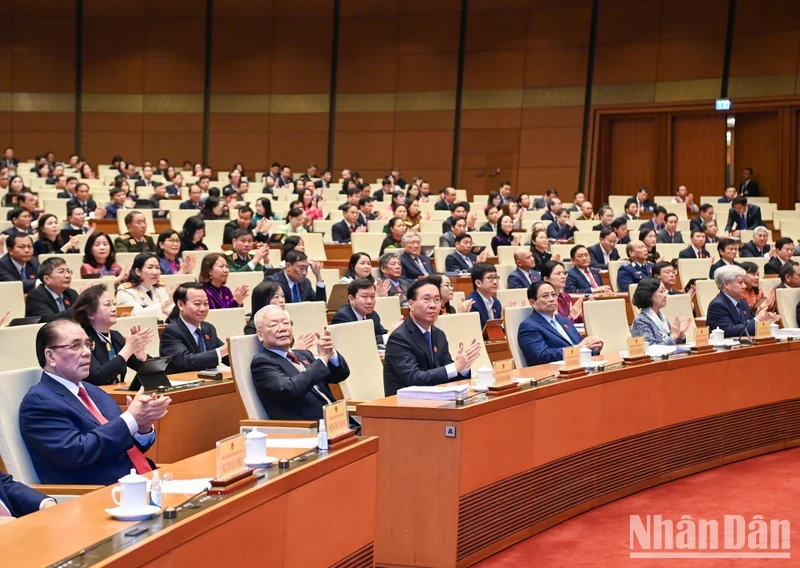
(207, 337)
(66, 302)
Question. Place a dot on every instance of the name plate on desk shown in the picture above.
(572, 357)
(503, 371)
(230, 457)
(336, 421)
(701, 337)
(636, 347)
(763, 329)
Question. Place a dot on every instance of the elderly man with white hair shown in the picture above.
(293, 384)
(758, 246)
(729, 311)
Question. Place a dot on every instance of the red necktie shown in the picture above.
(137, 457)
(352, 228)
(592, 281)
(292, 357)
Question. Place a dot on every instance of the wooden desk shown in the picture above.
(278, 522)
(110, 227)
(462, 284)
(197, 418)
(524, 462)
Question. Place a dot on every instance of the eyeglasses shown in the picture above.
(76, 346)
(493, 278)
(426, 300)
(173, 240)
(448, 285)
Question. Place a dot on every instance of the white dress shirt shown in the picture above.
(192, 329)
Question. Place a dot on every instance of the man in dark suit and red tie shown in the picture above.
(74, 431)
(417, 353)
(582, 278)
(413, 262)
(697, 248)
(341, 232)
(729, 311)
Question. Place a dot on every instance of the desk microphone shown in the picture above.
(749, 339)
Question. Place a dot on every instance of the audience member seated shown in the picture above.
(604, 251)
(485, 283)
(706, 214)
(631, 211)
(670, 233)
(213, 276)
(238, 256)
(505, 234)
(586, 212)
(754, 295)
(555, 274)
(712, 232)
(730, 194)
(651, 297)
(562, 229)
(190, 341)
(341, 231)
(789, 275)
(606, 216)
(727, 249)
(295, 223)
(742, 216)
(620, 228)
(729, 311)
(244, 220)
(99, 258)
(195, 200)
(582, 278)
(642, 200)
(18, 264)
(650, 240)
(265, 294)
(264, 210)
(457, 211)
(361, 297)
(293, 384)
(213, 209)
(553, 205)
(17, 499)
(359, 266)
(758, 246)
(447, 197)
(524, 274)
(144, 291)
(658, 222)
(442, 282)
(20, 222)
(667, 274)
(636, 269)
(169, 254)
(492, 215)
(76, 220)
(54, 299)
(396, 229)
(50, 240)
(448, 239)
(463, 259)
(391, 271)
(413, 262)
(89, 440)
(296, 287)
(417, 352)
(784, 249)
(96, 312)
(682, 195)
(697, 248)
(193, 233)
(136, 239)
(545, 334)
(82, 199)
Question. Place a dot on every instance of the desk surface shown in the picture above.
(523, 462)
(285, 503)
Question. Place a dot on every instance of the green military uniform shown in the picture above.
(126, 243)
(237, 264)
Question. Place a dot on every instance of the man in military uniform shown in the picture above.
(135, 240)
(637, 269)
(239, 256)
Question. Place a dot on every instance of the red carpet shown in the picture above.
(768, 486)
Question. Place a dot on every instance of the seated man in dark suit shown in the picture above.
(414, 263)
(74, 431)
(697, 248)
(191, 342)
(485, 283)
(195, 200)
(604, 251)
(670, 233)
(447, 199)
(742, 216)
(784, 249)
(552, 208)
(341, 231)
(391, 269)
(544, 334)
(658, 222)
(361, 306)
(706, 214)
(727, 249)
(635, 270)
(293, 385)
(582, 278)
(758, 246)
(462, 259)
(82, 200)
(147, 178)
(296, 287)
(20, 222)
(642, 201)
(18, 264)
(562, 229)
(620, 228)
(523, 275)
(417, 353)
(730, 194)
(54, 298)
(729, 311)
(668, 274)
(17, 499)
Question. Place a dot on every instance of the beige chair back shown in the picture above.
(608, 319)
(440, 257)
(680, 305)
(706, 291)
(369, 243)
(315, 248)
(228, 322)
(669, 251)
(517, 295)
(697, 268)
(243, 348)
(463, 328)
(505, 255)
(786, 299)
(356, 342)
(388, 309)
(503, 270)
(13, 298)
(513, 319)
(251, 279)
(307, 317)
(13, 451)
(19, 346)
(613, 269)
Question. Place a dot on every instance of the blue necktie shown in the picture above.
(60, 302)
(296, 294)
(427, 335)
(201, 344)
(744, 222)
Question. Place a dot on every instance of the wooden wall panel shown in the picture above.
(698, 153)
(627, 42)
(757, 145)
(633, 149)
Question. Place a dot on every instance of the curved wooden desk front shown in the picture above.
(524, 462)
(321, 513)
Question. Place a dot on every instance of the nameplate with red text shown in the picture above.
(230, 457)
(336, 421)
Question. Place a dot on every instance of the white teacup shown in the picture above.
(132, 491)
(255, 445)
(485, 376)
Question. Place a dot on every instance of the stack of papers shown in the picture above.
(434, 393)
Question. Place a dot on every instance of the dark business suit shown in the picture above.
(104, 371)
(688, 252)
(560, 232)
(18, 498)
(720, 263)
(648, 225)
(540, 343)
(340, 232)
(9, 272)
(751, 250)
(735, 321)
(144, 183)
(749, 189)
(40, 302)
(578, 283)
(548, 216)
(696, 224)
(752, 219)
(87, 207)
(773, 266)
(409, 362)
(440, 205)
(346, 314)
(307, 292)
(181, 346)
(411, 270)
(456, 263)
(646, 205)
(67, 444)
(230, 228)
(289, 394)
(404, 286)
(479, 306)
(517, 278)
(598, 258)
(189, 205)
(664, 237)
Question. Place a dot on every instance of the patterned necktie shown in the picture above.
(137, 457)
(201, 344)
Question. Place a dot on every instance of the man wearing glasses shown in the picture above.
(417, 352)
(485, 283)
(74, 431)
(54, 299)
